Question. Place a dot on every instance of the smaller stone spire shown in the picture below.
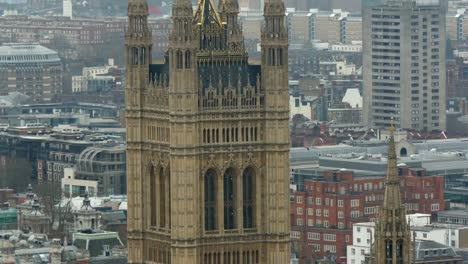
(392, 232)
(392, 198)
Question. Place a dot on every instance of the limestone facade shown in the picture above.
(207, 139)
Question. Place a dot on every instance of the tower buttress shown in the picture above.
(274, 86)
(138, 48)
(183, 104)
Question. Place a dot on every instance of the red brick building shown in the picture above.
(325, 208)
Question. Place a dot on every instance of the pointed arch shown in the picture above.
(271, 57)
(135, 56)
(179, 59)
(389, 250)
(153, 194)
(168, 196)
(210, 194)
(143, 56)
(188, 59)
(162, 197)
(399, 251)
(248, 197)
(280, 56)
(229, 187)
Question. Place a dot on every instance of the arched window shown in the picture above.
(168, 198)
(179, 60)
(229, 199)
(399, 251)
(188, 59)
(248, 197)
(135, 56)
(162, 198)
(280, 56)
(153, 192)
(143, 56)
(272, 55)
(210, 200)
(389, 250)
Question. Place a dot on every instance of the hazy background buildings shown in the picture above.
(61, 110)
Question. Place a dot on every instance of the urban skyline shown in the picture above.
(232, 131)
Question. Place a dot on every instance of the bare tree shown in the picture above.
(51, 196)
(15, 173)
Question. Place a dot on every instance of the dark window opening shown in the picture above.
(210, 200)
(188, 60)
(162, 198)
(153, 193)
(229, 200)
(248, 193)
(179, 60)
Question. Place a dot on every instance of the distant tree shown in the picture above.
(51, 196)
(60, 43)
(114, 45)
(15, 173)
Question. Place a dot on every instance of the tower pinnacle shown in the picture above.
(138, 36)
(274, 27)
(182, 8)
(392, 232)
(137, 20)
(182, 15)
(392, 198)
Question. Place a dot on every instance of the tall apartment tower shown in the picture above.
(67, 8)
(404, 64)
(392, 232)
(207, 139)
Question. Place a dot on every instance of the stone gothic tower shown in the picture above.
(207, 139)
(392, 232)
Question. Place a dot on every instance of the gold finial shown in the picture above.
(206, 10)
